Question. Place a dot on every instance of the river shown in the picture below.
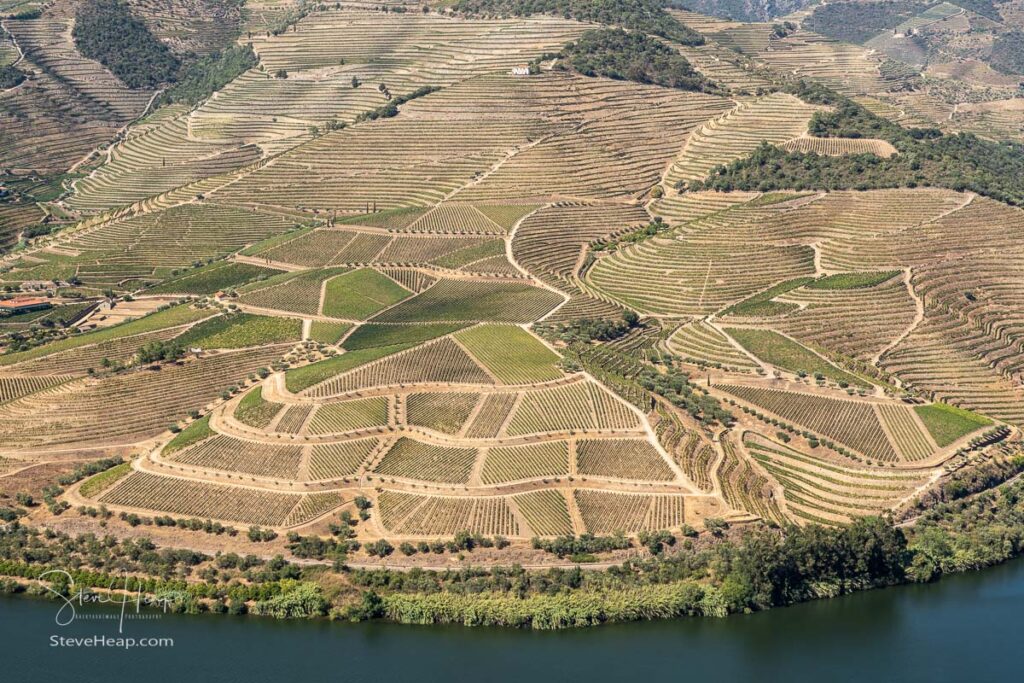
(963, 628)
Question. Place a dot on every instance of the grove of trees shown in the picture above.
(107, 31)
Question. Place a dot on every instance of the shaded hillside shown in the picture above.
(743, 10)
(642, 15)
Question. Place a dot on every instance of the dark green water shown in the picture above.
(965, 628)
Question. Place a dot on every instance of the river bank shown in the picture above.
(751, 571)
(960, 628)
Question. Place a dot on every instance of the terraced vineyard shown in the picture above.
(412, 515)
(145, 491)
(349, 415)
(776, 118)
(611, 512)
(16, 387)
(703, 267)
(819, 492)
(621, 459)
(576, 407)
(441, 412)
(340, 459)
(415, 460)
(225, 453)
(515, 463)
(840, 146)
(703, 343)
(853, 423)
(403, 264)
(546, 512)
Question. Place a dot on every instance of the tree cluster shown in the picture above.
(964, 482)
(926, 158)
(851, 120)
(970, 532)
(640, 234)
(205, 76)
(674, 385)
(107, 31)
(986, 8)
(27, 13)
(463, 541)
(567, 546)
(157, 351)
(390, 109)
(859, 22)
(10, 76)
(648, 16)
(758, 569)
(961, 162)
(633, 56)
(89, 469)
(742, 10)
(586, 330)
(1008, 52)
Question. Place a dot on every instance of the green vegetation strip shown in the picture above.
(298, 379)
(459, 258)
(254, 411)
(511, 353)
(275, 241)
(104, 480)
(194, 433)
(853, 280)
(371, 335)
(272, 281)
(785, 353)
(171, 317)
(457, 300)
(761, 304)
(948, 423)
(392, 218)
(359, 294)
(212, 278)
(241, 330)
(328, 333)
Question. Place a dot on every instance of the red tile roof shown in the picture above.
(21, 302)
